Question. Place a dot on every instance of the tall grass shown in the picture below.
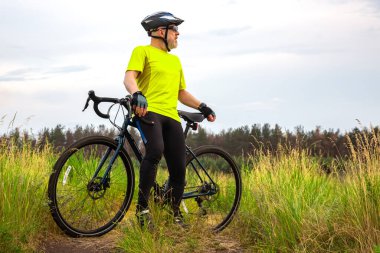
(23, 205)
(289, 204)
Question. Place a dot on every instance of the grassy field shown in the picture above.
(24, 211)
(289, 204)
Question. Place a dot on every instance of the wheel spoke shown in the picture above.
(217, 183)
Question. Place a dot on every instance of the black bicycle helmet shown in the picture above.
(159, 19)
(155, 20)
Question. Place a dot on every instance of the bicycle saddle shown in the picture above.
(191, 116)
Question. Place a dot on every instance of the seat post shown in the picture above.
(187, 129)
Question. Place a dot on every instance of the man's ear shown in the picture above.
(161, 32)
(158, 33)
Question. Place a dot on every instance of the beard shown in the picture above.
(173, 44)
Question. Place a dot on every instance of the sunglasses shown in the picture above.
(173, 27)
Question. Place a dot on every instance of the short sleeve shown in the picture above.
(137, 60)
(182, 84)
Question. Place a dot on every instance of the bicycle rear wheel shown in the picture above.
(84, 205)
(213, 188)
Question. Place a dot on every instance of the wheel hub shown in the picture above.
(96, 189)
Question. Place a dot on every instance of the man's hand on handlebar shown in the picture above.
(139, 104)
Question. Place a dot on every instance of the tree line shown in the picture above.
(245, 140)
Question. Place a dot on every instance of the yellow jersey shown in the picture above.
(160, 79)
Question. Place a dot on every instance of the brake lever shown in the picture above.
(86, 105)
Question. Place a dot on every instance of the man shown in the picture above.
(154, 77)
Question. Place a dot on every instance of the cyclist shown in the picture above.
(155, 79)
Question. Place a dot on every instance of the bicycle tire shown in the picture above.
(216, 211)
(84, 208)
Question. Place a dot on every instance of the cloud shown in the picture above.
(28, 74)
(22, 74)
(230, 31)
(270, 104)
(375, 4)
(67, 69)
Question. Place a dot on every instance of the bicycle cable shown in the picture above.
(117, 113)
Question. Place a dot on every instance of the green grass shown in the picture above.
(288, 205)
(23, 205)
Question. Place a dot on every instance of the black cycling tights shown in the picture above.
(164, 137)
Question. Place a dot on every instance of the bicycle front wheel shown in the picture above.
(83, 199)
(213, 188)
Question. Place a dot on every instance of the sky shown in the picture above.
(288, 62)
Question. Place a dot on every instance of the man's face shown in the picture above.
(172, 35)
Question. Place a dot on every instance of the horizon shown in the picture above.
(11, 128)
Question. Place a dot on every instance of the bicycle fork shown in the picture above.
(105, 178)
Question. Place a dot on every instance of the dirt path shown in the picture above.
(58, 242)
(107, 244)
(102, 245)
(64, 244)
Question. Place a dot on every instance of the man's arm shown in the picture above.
(130, 81)
(139, 103)
(188, 99)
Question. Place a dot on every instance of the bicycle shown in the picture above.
(92, 183)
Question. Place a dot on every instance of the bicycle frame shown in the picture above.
(196, 193)
(125, 134)
(120, 139)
